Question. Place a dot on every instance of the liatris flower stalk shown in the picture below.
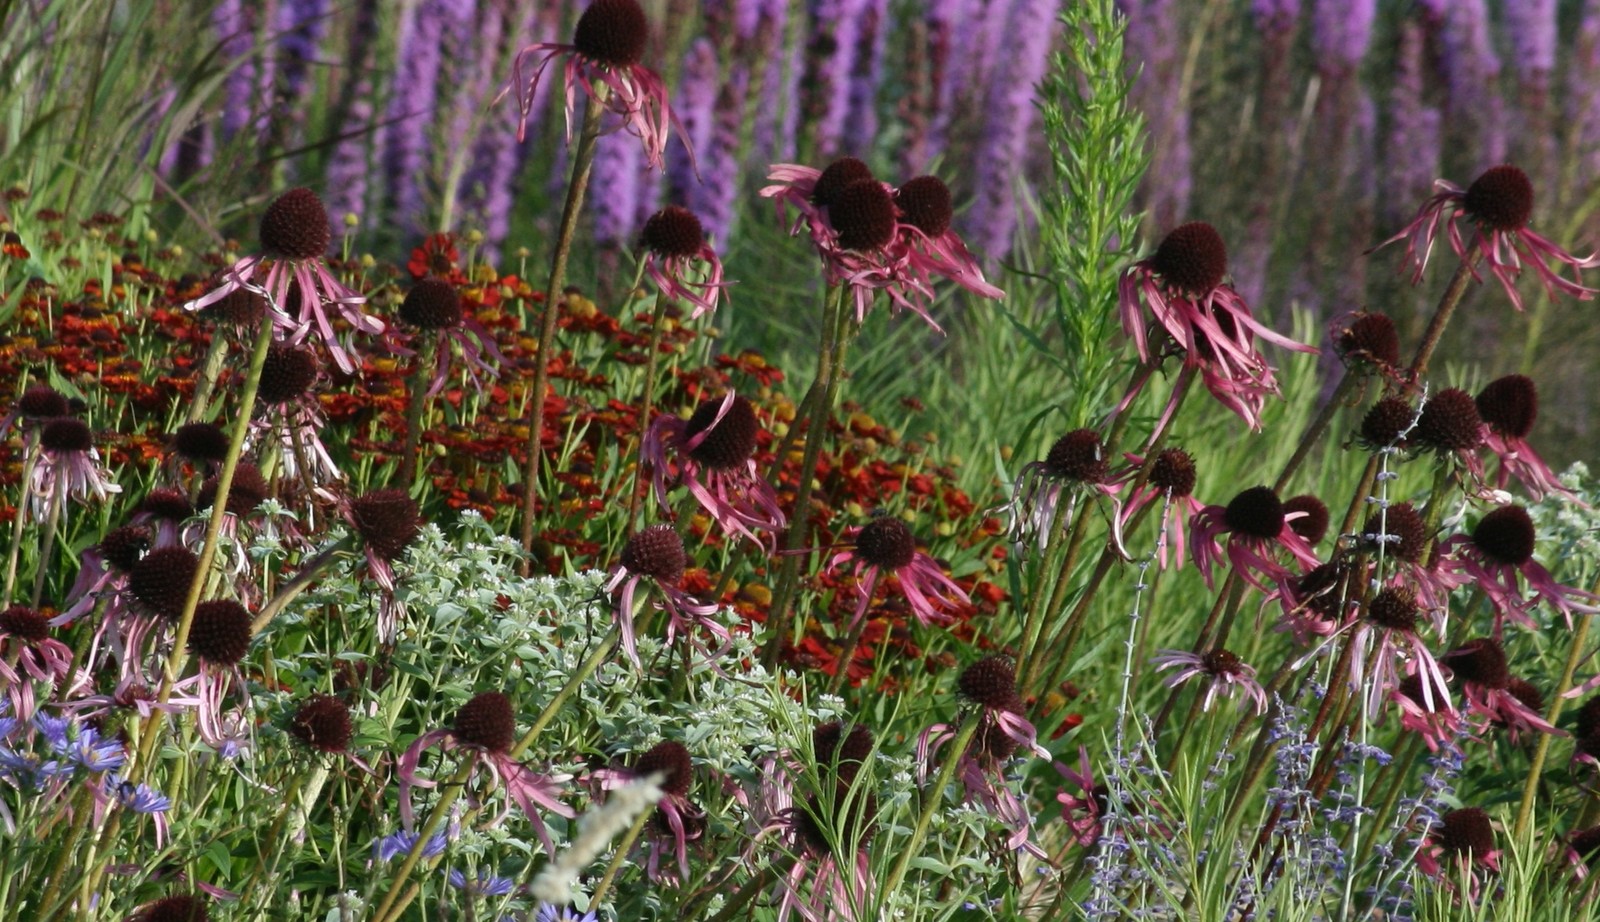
(713, 198)
(1414, 127)
(420, 54)
(695, 105)
(832, 49)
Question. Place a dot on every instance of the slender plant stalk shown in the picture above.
(582, 163)
(421, 375)
(303, 579)
(931, 798)
(623, 847)
(646, 403)
(19, 520)
(1580, 637)
(47, 547)
(206, 381)
(1316, 428)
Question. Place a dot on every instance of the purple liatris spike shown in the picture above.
(1583, 74)
(713, 199)
(779, 80)
(946, 23)
(1532, 24)
(233, 24)
(1008, 125)
(1340, 31)
(1275, 17)
(836, 28)
(1472, 70)
(411, 108)
(348, 164)
(861, 129)
(615, 185)
(697, 94)
(299, 26)
(1412, 162)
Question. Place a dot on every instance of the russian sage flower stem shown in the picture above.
(582, 162)
(931, 798)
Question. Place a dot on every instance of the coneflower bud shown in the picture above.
(1394, 608)
(288, 372)
(1386, 422)
(295, 226)
(925, 203)
(1450, 422)
(1173, 472)
(839, 173)
(161, 580)
(1370, 338)
(388, 521)
(1321, 589)
(431, 304)
(1501, 199)
(656, 552)
(1313, 525)
(1466, 831)
(1256, 513)
(1505, 536)
(1403, 528)
(1588, 719)
(1586, 842)
(124, 547)
(248, 490)
(323, 723)
(731, 443)
(1411, 687)
(167, 504)
(42, 402)
(1192, 259)
(612, 33)
(239, 307)
(1077, 456)
(671, 759)
(863, 214)
(991, 682)
(486, 722)
(886, 542)
(220, 633)
(25, 624)
(1510, 405)
(173, 909)
(854, 820)
(65, 435)
(1222, 664)
(673, 231)
(202, 442)
(834, 744)
(1527, 693)
(1481, 661)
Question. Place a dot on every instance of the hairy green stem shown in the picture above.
(931, 798)
(1530, 788)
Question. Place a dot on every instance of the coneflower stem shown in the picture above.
(582, 162)
(830, 356)
(19, 520)
(421, 377)
(1314, 430)
(1580, 636)
(208, 552)
(645, 405)
(931, 798)
(1465, 273)
(623, 847)
(216, 355)
(453, 790)
(586, 669)
(47, 546)
(736, 903)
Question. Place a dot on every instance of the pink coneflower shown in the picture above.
(991, 685)
(37, 405)
(673, 242)
(105, 570)
(677, 821)
(28, 654)
(1424, 711)
(1464, 839)
(1172, 479)
(291, 414)
(1387, 637)
(1182, 286)
(294, 239)
(714, 457)
(1508, 407)
(1074, 466)
(1223, 670)
(433, 308)
(219, 637)
(67, 467)
(1498, 204)
(1257, 527)
(485, 727)
(388, 523)
(165, 510)
(870, 242)
(1499, 548)
(1367, 342)
(1487, 686)
(1083, 811)
(886, 545)
(657, 553)
(606, 49)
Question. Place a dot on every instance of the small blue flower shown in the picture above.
(486, 884)
(549, 912)
(29, 770)
(54, 730)
(94, 753)
(137, 797)
(399, 844)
